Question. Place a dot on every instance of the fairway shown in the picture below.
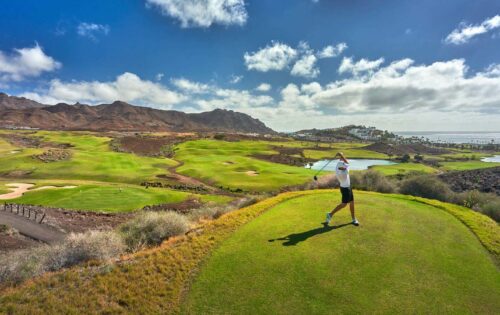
(467, 165)
(406, 257)
(104, 197)
(404, 168)
(91, 159)
(227, 164)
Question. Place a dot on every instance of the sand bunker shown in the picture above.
(228, 163)
(18, 189)
(252, 173)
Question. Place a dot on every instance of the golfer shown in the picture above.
(342, 173)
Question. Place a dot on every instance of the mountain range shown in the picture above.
(120, 116)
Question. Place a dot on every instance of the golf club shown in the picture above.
(329, 161)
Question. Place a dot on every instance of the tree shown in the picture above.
(405, 158)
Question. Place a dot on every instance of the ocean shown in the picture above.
(454, 136)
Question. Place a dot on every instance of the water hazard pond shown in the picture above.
(355, 164)
(493, 159)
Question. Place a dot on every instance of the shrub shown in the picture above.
(209, 212)
(492, 209)
(427, 187)
(81, 247)
(405, 158)
(152, 228)
(20, 265)
(371, 180)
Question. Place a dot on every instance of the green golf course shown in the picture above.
(405, 257)
(409, 255)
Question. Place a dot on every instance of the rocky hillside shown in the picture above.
(484, 180)
(120, 116)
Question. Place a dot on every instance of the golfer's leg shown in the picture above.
(351, 207)
(337, 208)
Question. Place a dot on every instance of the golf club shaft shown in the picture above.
(329, 161)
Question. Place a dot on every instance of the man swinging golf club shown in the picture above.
(342, 173)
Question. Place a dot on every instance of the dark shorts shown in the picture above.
(347, 195)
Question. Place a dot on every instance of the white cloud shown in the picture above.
(305, 67)
(332, 51)
(465, 32)
(203, 13)
(25, 63)
(263, 87)
(91, 30)
(360, 67)
(191, 87)
(159, 76)
(127, 87)
(275, 56)
(235, 79)
(240, 100)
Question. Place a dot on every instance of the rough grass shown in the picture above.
(155, 281)
(406, 257)
(404, 168)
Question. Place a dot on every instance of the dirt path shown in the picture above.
(30, 228)
(18, 189)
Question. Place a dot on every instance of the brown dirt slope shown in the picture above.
(400, 149)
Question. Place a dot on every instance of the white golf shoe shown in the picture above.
(328, 218)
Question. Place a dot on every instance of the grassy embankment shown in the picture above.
(407, 256)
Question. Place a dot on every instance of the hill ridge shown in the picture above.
(121, 116)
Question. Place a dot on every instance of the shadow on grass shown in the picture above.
(294, 239)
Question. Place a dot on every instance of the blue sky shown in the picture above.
(400, 65)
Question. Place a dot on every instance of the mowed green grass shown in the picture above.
(226, 164)
(109, 197)
(404, 168)
(92, 160)
(467, 165)
(405, 257)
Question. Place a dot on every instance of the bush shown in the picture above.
(209, 212)
(492, 209)
(152, 228)
(91, 245)
(427, 187)
(373, 181)
(486, 203)
(20, 265)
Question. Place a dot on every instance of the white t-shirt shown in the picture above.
(343, 175)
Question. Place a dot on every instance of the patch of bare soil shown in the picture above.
(181, 207)
(400, 149)
(53, 155)
(146, 145)
(234, 137)
(485, 180)
(284, 159)
(81, 221)
(30, 141)
(17, 173)
(11, 240)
